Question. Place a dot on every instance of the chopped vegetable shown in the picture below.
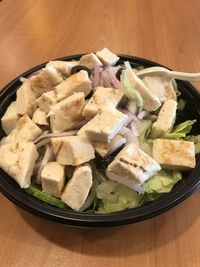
(196, 140)
(143, 128)
(129, 91)
(162, 182)
(181, 130)
(175, 86)
(116, 197)
(45, 197)
(181, 104)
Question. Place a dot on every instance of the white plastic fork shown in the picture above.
(192, 77)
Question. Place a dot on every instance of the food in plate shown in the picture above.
(91, 136)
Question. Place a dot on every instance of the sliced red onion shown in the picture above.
(52, 135)
(127, 182)
(101, 83)
(131, 116)
(127, 65)
(106, 80)
(142, 114)
(134, 129)
(23, 80)
(129, 136)
(43, 142)
(41, 136)
(34, 73)
(97, 72)
(113, 78)
(47, 156)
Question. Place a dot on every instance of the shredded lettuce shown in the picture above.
(162, 182)
(139, 67)
(129, 91)
(175, 87)
(180, 130)
(116, 197)
(148, 197)
(181, 104)
(196, 140)
(143, 127)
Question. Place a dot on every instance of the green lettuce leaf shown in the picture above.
(129, 91)
(162, 182)
(143, 127)
(116, 197)
(196, 140)
(148, 197)
(175, 87)
(181, 104)
(180, 130)
(46, 197)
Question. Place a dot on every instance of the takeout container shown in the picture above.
(189, 183)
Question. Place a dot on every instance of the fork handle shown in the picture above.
(192, 77)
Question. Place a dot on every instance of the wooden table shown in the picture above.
(34, 31)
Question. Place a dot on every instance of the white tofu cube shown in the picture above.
(160, 87)
(18, 160)
(77, 189)
(46, 80)
(165, 120)
(72, 150)
(150, 101)
(39, 117)
(25, 131)
(64, 67)
(53, 178)
(78, 82)
(10, 118)
(134, 165)
(25, 102)
(107, 57)
(104, 148)
(174, 154)
(67, 114)
(90, 61)
(104, 126)
(46, 101)
(101, 98)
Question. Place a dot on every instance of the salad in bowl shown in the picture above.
(93, 135)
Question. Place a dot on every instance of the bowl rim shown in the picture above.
(22, 199)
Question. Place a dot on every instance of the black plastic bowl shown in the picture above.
(180, 192)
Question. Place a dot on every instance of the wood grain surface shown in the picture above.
(34, 31)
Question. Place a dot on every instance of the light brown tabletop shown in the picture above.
(35, 31)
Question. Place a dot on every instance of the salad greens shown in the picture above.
(100, 122)
(116, 197)
(180, 131)
(196, 140)
(144, 126)
(129, 91)
(163, 181)
(181, 104)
